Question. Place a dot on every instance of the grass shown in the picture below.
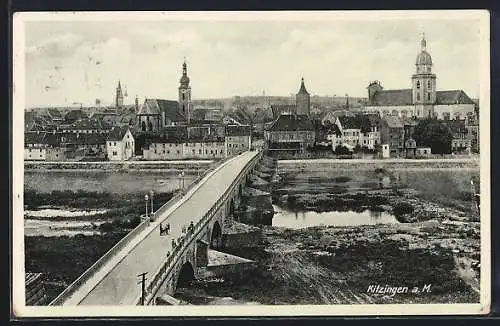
(120, 207)
(63, 259)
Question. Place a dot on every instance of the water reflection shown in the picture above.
(290, 219)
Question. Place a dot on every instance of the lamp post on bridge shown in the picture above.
(181, 181)
(146, 198)
(151, 194)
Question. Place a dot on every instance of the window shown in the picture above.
(114, 144)
(115, 153)
(428, 96)
(211, 151)
(193, 152)
(206, 152)
(168, 152)
(178, 152)
(57, 155)
(418, 96)
(429, 84)
(183, 96)
(418, 84)
(199, 151)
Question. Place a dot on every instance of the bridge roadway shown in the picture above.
(120, 286)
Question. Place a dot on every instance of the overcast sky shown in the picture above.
(74, 61)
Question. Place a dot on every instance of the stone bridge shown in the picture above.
(196, 217)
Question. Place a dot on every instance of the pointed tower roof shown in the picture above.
(303, 89)
(184, 79)
(423, 58)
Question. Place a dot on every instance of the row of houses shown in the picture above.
(202, 142)
(394, 134)
(118, 144)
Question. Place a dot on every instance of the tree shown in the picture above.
(435, 134)
(342, 150)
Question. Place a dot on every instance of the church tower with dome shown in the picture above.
(424, 83)
(185, 94)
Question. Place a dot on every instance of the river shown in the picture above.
(296, 220)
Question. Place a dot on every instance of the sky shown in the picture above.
(68, 62)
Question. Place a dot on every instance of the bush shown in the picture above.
(403, 208)
(342, 179)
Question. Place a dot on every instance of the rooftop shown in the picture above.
(292, 122)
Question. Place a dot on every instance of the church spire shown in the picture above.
(119, 95)
(303, 87)
(423, 43)
(184, 79)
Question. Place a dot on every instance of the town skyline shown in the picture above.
(78, 62)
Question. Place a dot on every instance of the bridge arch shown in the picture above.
(216, 236)
(186, 276)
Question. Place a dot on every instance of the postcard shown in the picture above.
(291, 163)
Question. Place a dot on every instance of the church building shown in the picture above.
(156, 114)
(423, 99)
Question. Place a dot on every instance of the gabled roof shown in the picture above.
(393, 121)
(91, 139)
(292, 122)
(75, 115)
(170, 134)
(278, 109)
(158, 106)
(360, 121)
(333, 129)
(392, 97)
(235, 130)
(29, 116)
(55, 113)
(34, 137)
(453, 97)
(117, 133)
(87, 124)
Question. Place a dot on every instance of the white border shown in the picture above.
(18, 298)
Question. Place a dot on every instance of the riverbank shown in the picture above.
(318, 165)
(337, 265)
(190, 165)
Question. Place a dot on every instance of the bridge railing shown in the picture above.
(73, 287)
(185, 240)
(172, 201)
